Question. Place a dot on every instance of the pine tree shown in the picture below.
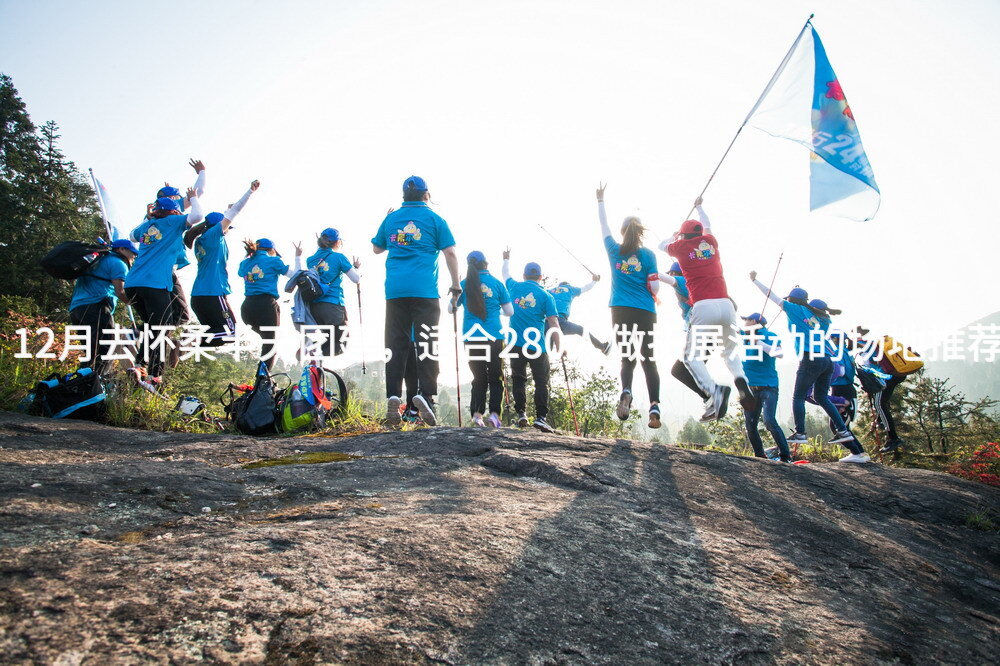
(44, 200)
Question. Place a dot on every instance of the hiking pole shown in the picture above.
(361, 328)
(567, 249)
(572, 407)
(767, 297)
(458, 381)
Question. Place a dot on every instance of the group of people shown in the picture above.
(141, 271)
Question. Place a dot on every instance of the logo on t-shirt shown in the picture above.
(630, 265)
(199, 250)
(407, 235)
(526, 302)
(254, 274)
(322, 267)
(561, 289)
(151, 235)
(487, 292)
(703, 251)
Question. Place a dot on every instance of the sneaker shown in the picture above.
(424, 409)
(717, 406)
(624, 405)
(541, 424)
(747, 399)
(477, 421)
(709, 414)
(606, 349)
(392, 411)
(797, 438)
(494, 420)
(892, 446)
(771, 452)
(856, 458)
(411, 416)
(522, 420)
(842, 436)
(654, 416)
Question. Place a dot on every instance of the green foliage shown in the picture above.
(943, 419)
(694, 433)
(44, 200)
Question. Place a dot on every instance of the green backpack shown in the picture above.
(320, 395)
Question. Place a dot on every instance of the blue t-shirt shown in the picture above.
(161, 241)
(564, 295)
(91, 288)
(330, 266)
(260, 273)
(840, 355)
(628, 276)
(212, 253)
(759, 366)
(532, 304)
(683, 295)
(801, 322)
(495, 295)
(413, 237)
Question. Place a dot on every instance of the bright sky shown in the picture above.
(514, 111)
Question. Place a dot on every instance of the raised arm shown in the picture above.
(601, 214)
(505, 271)
(594, 279)
(767, 292)
(706, 224)
(235, 209)
(196, 215)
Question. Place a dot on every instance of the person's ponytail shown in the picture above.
(474, 301)
(250, 246)
(632, 235)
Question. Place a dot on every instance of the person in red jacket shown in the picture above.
(713, 314)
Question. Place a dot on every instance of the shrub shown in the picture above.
(982, 466)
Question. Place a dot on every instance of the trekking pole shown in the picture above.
(767, 297)
(361, 328)
(567, 249)
(572, 407)
(458, 381)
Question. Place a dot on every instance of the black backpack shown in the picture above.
(309, 287)
(72, 259)
(78, 395)
(253, 412)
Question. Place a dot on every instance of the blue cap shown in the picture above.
(331, 234)
(125, 243)
(214, 218)
(476, 256)
(264, 244)
(166, 203)
(532, 270)
(168, 192)
(798, 293)
(818, 304)
(414, 183)
(675, 268)
(757, 318)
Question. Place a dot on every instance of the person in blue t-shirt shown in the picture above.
(535, 319)
(331, 266)
(260, 272)
(95, 296)
(761, 348)
(565, 293)
(634, 285)
(842, 390)
(484, 298)
(413, 236)
(809, 322)
(150, 283)
(210, 292)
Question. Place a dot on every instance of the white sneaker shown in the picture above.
(424, 409)
(841, 436)
(856, 458)
(392, 413)
(624, 405)
(709, 414)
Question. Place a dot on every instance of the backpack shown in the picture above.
(311, 402)
(871, 378)
(898, 360)
(78, 395)
(72, 259)
(310, 288)
(253, 412)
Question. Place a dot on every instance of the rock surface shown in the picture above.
(478, 546)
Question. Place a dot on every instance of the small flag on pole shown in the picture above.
(108, 210)
(805, 103)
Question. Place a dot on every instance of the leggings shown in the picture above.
(882, 400)
(97, 317)
(634, 337)
(484, 361)
(261, 310)
(519, 376)
(331, 314)
(214, 312)
(154, 308)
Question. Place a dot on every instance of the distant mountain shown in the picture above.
(975, 378)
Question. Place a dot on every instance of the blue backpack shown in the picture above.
(78, 395)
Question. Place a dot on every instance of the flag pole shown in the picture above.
(767, 89)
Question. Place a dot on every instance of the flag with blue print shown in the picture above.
(805, 103)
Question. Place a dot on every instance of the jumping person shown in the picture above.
(96, 293)
(697, 253)
(763, 380)
(809, 322)
(413, 236)
(564, 294)
(260, 272)
(634, 285)
(484, 298)
(330, 309)
(149, 284)
(210, 292)
(535, 314)
(873, 351)
(675, 278)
